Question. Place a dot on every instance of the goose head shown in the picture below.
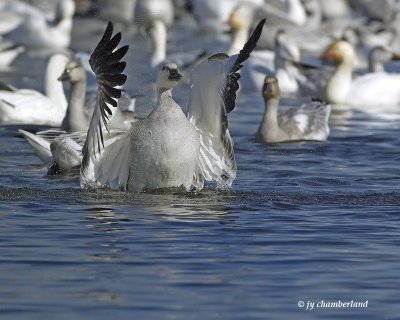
(271, 88)
(339, 52)
(168, 77)
(241, 17)
(73, 72)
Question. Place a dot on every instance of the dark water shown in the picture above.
(303, 222)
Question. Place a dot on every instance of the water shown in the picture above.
(303, 222)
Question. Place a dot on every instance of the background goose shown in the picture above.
(244, 15)
(25, 106)
(156, 16)
(309, 122)
(166, 149)
(36, 32)
(76, 117)
(13, 13)
(64, 146)
(370, 90)
(284, 63)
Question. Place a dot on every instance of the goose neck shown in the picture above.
(240, 38)
(54, 89)
(75, 117)
(159, 37)
(270, 119)
(339, 85)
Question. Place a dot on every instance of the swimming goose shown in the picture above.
(370, 90)
(309, 122)
(166, 149)
(77, 116)
(36, 32)
(64, 145)
(25, 106)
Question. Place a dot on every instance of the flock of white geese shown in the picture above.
(336, 51)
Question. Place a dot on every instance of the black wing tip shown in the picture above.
(232, 81)
(106, 62)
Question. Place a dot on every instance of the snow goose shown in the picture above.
(309, 122)
(36, 32)
(243, 16)
(284, 63)
(25, 106)
(77, 116)
(370, 90)
(166, 149)
(64, 145)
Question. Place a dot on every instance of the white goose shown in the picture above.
(370, 90)
(212, 15)
(25, 106)
(77, 116)
(283, 63)
(244, 15)
(156, 16)
(167, 149)
(36, 32)
(308, 122)
(62, 148)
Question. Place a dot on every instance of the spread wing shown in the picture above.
(214, 84)
(105, 127)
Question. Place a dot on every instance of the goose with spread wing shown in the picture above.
(62, 148)
(309, 122)
(167, 149)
